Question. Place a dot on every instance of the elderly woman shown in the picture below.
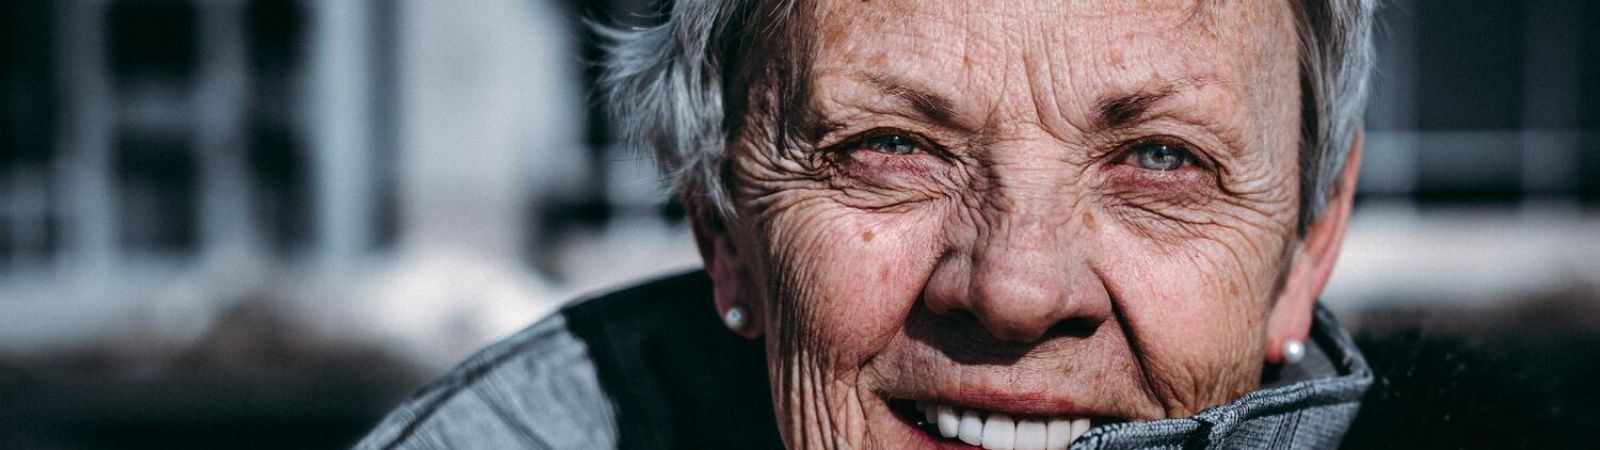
(1019, 224)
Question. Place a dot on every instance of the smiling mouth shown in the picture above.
(989, 429)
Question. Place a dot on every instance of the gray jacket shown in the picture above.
(651, 368)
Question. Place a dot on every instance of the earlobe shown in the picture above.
(1313, 261)
(722, 265)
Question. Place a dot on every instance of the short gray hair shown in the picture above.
(1336, 59)
(667, 86)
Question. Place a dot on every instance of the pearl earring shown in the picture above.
(1293, 351)
(734, 318)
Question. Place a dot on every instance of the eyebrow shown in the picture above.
(1112, 112)
(936, 107)
(1124, 109)
(1121, 110)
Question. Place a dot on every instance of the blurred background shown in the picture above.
(263, 223)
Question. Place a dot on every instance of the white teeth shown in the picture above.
(999, 432)
(1059, 434)
(949, 422)
(971, 430)
(1031, 434)
(1079, 427)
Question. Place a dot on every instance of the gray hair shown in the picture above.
(668, 83)
(1336, 59)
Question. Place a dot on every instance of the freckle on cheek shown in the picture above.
(867, 236)
(1088, 220)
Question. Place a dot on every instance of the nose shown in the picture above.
(1021, 282)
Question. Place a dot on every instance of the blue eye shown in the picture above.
(1160, 157)
(891, 144)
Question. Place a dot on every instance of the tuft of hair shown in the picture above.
(665, 86)
(1336, 58)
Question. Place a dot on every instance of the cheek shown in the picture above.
(1196, 311)
(850, 278)
(1170, 298)
(1210, 279)
(1191, 302)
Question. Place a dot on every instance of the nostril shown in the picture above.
(1013, 324)
(963, 337)
(1076, 327)
(1030, 330)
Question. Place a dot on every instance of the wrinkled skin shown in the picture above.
(981, 213)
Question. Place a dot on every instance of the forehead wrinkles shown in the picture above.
(1133, 46)
(911, 40)
(1026, 61)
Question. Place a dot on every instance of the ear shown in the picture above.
(722, 264)
(1312, 262)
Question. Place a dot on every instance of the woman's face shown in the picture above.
(1052, 210)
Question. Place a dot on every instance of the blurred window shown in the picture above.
(279, 167)
(153, 41)
(1589, 183)
(1469, 46)
(282, 188)
(157, 201)
(1486, 101)
(29, 221)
